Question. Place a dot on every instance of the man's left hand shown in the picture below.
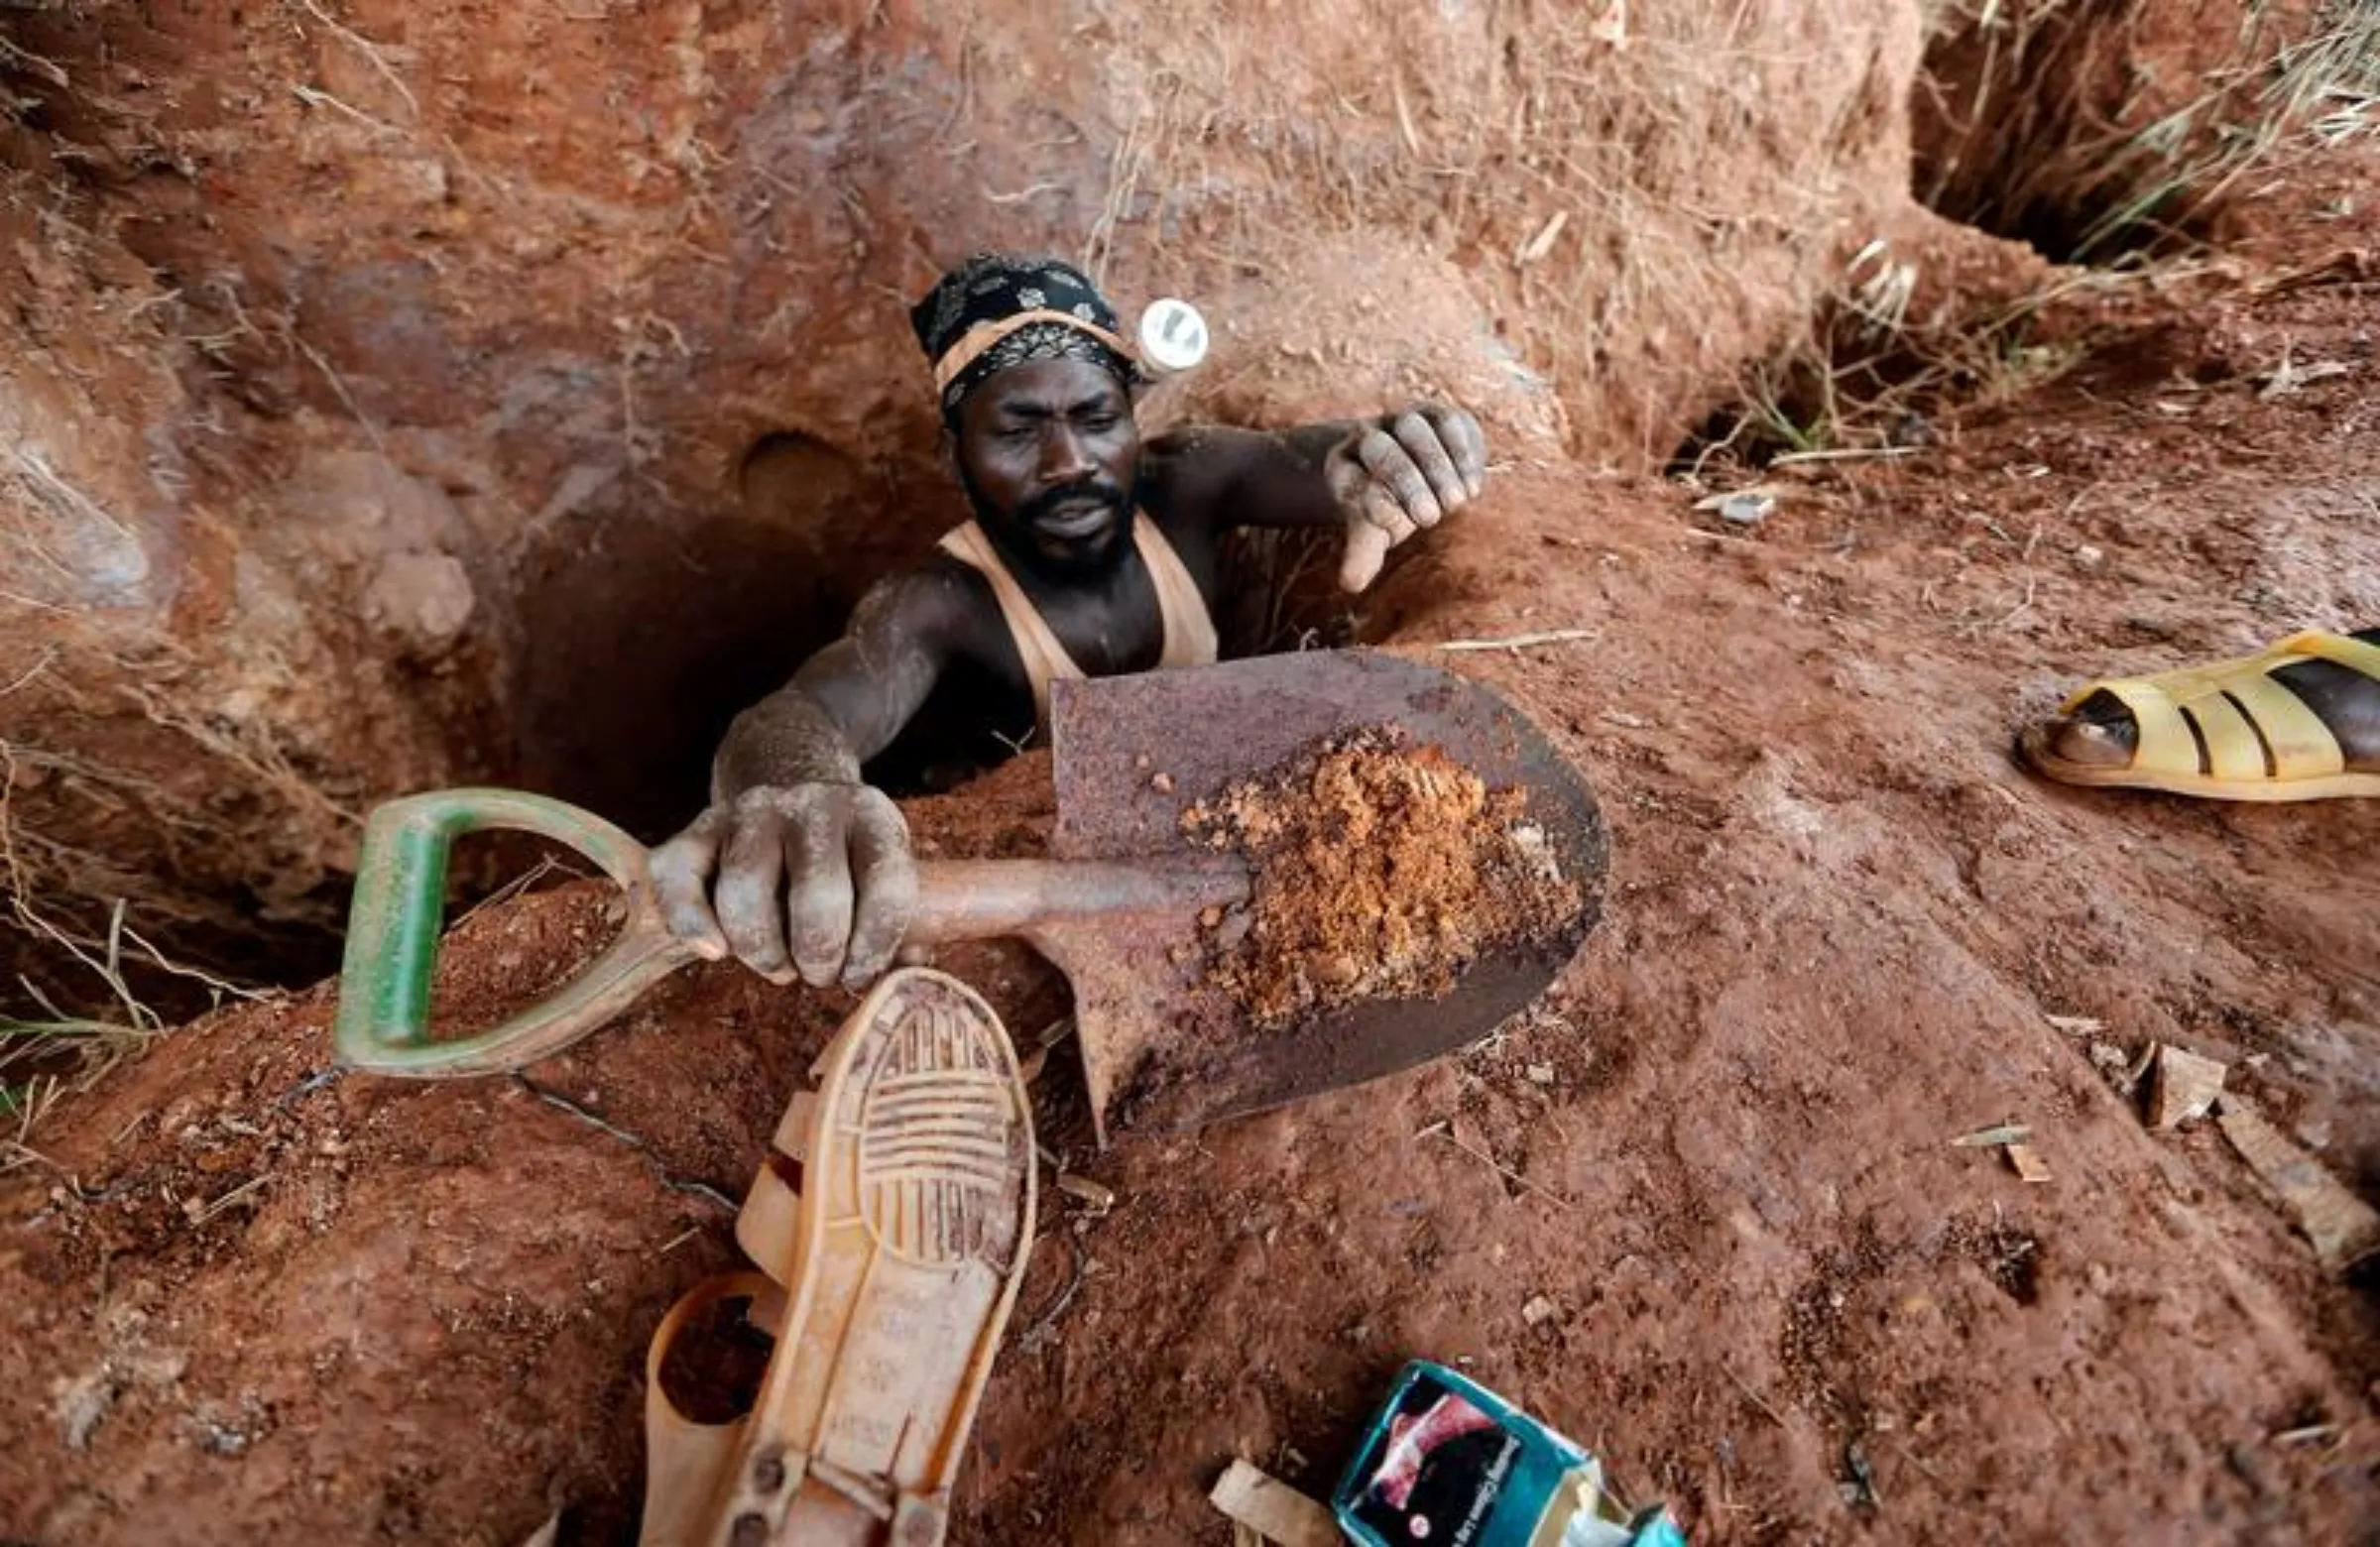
(1399, 474)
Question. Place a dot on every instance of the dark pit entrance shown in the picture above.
(642, 635)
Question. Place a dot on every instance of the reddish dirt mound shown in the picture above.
(375, 1308)
(256, 1303)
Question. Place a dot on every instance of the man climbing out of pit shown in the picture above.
(1092, 554)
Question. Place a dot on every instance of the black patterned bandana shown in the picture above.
(993, 311)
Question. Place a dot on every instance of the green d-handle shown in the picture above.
(393, 928)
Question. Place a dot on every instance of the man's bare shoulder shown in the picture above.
(927, 597)
(939, 606)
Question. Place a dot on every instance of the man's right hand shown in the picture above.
(811, 880)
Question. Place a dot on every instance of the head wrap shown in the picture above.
(993, 311)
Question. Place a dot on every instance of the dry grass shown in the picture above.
(2038, 153)
(1844, 386)
(2319, 90)
(42, 1059)
(2046, 124)
(1623, 187)
(129, 814)
(99, 1004)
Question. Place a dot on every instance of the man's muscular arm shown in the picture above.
(813, 867)
(1384, 479)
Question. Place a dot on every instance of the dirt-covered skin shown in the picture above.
(798, 869)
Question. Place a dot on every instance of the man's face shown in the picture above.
(1048, 451)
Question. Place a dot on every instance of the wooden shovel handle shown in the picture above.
(983, 899)
(392, 934)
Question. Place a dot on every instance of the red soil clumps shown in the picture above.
(1381, 872)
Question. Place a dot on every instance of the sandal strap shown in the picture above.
(2234, 752)
(683, 1459)
(2338, 648)
(2303, 744)
(772, 1211)
(2161, 741)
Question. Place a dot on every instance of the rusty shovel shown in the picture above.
(1164, 1048)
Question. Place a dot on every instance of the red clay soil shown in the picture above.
(251, 1302)
(1383, 871)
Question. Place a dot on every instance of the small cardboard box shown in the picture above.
(1450, 1463)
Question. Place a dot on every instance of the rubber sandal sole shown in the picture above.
(898, 1254)
(2327, 786)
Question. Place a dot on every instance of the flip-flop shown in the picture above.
(891, 1223)
(2226, 730)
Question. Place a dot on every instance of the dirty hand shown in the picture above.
(1398, 474)
(822, 869)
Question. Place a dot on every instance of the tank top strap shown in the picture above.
(1189, 628)
(1046, 660)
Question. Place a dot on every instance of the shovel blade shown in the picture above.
(1164, 1049)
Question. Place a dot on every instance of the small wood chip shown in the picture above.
(1100, 1199)
(2342, 1227)
(2076, 1025)
(1540, 1074)
(2310, 1434)
(1543, 242)
(1518, 642)
(2186, 1087)
(1993, 1137)
(2291, 377)
(2028, 1163)
(1539, 1311)
(1273, 1510)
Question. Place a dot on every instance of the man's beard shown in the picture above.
(1095, 554)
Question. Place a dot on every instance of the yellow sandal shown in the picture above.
(2225, 731)
(890, 1268)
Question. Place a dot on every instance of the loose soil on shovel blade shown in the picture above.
(1381, 872)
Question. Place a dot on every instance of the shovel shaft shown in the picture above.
(394, 925)
(983, 899)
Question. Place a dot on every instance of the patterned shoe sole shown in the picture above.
(904, 1250)
(933, 1118)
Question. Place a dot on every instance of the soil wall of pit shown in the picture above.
(404, 395)
(401, 395)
